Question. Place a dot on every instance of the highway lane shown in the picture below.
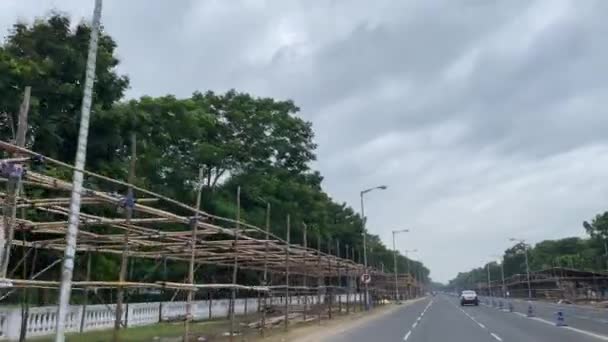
(441, 318)
(586, 318)
(389, 328)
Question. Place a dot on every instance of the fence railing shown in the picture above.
(41, 321)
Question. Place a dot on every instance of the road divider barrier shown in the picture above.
(530, 312)
(560, 320)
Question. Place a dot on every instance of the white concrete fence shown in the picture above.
(41, 320)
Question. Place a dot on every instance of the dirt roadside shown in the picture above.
(315, 332)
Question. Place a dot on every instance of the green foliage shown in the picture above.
(256, 143)
(570, 252)
(50, 57)
(598, 228)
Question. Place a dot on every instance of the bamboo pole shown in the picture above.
(319, 278)
(236, 260)
(339, 282)
(86, 293)
(305, 280)
(163, 291)
(348, 284)
(330, 291)
(287, 299)
(355, 279)
(194, 227)
(7, 231)
(129, 202)
(263, 326)
(24, 307)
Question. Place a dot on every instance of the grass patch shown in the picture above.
(210, 329)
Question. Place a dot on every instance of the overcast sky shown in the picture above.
(485, 118)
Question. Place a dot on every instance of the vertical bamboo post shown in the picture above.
(23, 113)
(24, 307)
(305, 280)
(163, 291)
(266, 293)
(286, 322)
(7, 231)
(354, 280)
(330, 292)
(131, 262)
(320, 277)
(129, 202)
(24, 322)
(86, 294)
(236, 261)
(348, 283)
(210, 298)
(194, 228)
(339, 282)
(361, 297)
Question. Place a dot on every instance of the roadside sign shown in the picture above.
(366, 278)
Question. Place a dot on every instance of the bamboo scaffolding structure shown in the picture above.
(168, 230)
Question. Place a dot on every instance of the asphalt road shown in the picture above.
(441, 318)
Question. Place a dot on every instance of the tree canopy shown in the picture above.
(573, 252)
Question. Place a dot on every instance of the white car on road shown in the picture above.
(469, 297)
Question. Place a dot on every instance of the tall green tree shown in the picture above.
(50, 56)
(598, 229)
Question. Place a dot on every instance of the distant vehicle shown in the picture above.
(469, 297)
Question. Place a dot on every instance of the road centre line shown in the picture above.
(495, 336)
(409, 333)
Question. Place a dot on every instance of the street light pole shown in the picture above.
(381, 187)
(528, 271)
(489, 281)
(395, 232)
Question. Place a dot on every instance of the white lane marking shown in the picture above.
(496, 337)
(542, 320)
(580, 331)
(478, 323)
(417, 321)
(588, 333)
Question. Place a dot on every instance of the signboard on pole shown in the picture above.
(366, 278)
